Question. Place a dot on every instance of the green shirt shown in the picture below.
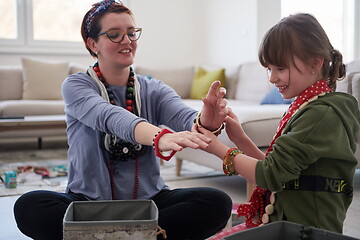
(319, 140)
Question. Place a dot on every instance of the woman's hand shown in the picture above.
(179, 140)
(214, 109)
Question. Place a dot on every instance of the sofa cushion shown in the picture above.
(231, 76)
(11, 83)
(351, 84)
(355, 86)
(13, 108)
(180, 79)
(203, 80)
(253, 82)
(274, 97)
(353, 66)
(343, 85)
(42, 80)
(75, 68)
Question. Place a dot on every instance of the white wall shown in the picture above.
(201, 32)
(188, 32)
(268, 14)
(230, 32)
(15, 58)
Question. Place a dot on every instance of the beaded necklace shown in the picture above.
(120, 150)
(262, 197)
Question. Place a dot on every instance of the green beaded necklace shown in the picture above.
(121, 150)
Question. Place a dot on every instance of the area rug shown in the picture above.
(56, 159)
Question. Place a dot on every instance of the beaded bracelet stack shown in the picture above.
(156, 139)
(228, 163)
(215, 132)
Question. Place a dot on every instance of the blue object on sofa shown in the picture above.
(274, 97)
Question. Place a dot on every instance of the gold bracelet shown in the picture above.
(228, 163)
(215, 132)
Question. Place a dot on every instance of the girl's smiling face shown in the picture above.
(292, 80)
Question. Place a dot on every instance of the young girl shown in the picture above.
(306, 175)
(112, 118)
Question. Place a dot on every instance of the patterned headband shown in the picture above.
(103, 5)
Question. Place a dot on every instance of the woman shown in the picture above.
(112, 125)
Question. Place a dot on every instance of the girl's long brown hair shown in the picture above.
(301, 35)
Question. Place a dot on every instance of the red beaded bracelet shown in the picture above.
(156, 145)
(228, 163)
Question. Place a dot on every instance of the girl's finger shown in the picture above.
(213, 88)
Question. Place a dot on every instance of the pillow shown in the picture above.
(274, 97)
(42, 80)
(179, 79)
(203, 80)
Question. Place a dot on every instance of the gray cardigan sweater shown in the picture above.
(89, 117)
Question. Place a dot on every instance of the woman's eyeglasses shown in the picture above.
(116, 35)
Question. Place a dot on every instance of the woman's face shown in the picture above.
(293, 80)
(121, 53)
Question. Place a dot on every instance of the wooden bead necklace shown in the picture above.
(259, 197)
(121, 150)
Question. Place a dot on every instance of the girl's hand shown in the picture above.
(214, 109)
(179, 140)
(233, 127)
(215, 144)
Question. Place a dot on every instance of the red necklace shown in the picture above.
(260, 196)
(316, 89)
(128, 150)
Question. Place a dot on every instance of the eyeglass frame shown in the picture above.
(123, 32)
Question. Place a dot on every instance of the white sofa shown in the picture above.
(246, 84)
(12, 94)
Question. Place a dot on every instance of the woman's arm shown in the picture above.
(83, 102)
(145, 133)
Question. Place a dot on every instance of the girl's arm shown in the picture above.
(244, 165)
(237, 135)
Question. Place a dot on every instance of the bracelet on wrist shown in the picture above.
(153, 141)
(228, 163)
(215, 132)
(156, 139)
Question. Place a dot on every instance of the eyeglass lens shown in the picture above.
(118, 36)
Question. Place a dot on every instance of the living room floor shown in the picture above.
(234, 186)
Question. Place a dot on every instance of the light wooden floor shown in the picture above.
(234, 186)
